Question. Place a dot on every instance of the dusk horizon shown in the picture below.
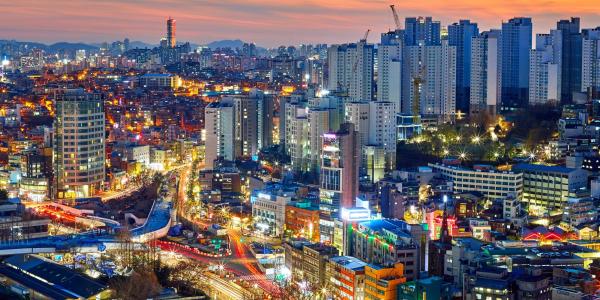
(266, 23)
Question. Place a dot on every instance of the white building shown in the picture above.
(318, 123)
(590, 59)
(351, 69)
(485, 72)
(219, 120)
(545, 68)
(382, 129)
(139, 153)
(389, 69)
(268, 209)
(435, 66)
(357, 113)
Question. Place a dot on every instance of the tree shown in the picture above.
(142, 284)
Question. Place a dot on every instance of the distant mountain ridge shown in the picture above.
(72, 46)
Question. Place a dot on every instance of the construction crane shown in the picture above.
(363, 40)
(417, 81)
(396, 19)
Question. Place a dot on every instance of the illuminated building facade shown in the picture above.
(547, 188)
(381, 283)
(340, 162)
(302, 220)
(387, 242)
(346, 275)
(79, 143)
(171, 29)
(491, 183)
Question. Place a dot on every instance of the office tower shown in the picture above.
(357, 113)
(78, 143)
(340, 161)
(460, 35)
(219, 141)
(421, 29)
(571, 59)
(590, 61)
(545, 69)
(428, 80)
(350, 69)
(516, 43)
(382, 129)
(171, 42)
(389, 70)
(485, 72)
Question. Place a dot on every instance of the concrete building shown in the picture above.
(435, 66)
(268, 208)
(79, 143)
(389, 68)
(340, 161)
(382, 130)
(421, 29)
(346, 276)
(386, 242)
(545, 69)
(314, 263)
(219, 120)
(485, 72)
(351, 69)
(381, 283)
(590, 60)
(491, 183)
(358, 114)
(547, 188)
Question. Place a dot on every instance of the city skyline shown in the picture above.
(267, 23)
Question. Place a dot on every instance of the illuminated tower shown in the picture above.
(78, 143)
(171, 33)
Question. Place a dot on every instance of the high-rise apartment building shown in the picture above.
(171, 28)
(571, 58)
(219, 120)
(516, 43)
(590, 61)
(421, 29)
(350, 69)
(382, 129)
(358, 114)
(545, 69)
(78, 143)
(485, 72)
(461, 35)
(429, 76)
(389, 68)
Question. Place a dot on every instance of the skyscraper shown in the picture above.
(590, 61)
(516, 43)
(389, 70)
(485, 72)
(545, 69)
(171, 28)
(421, 29)
(351, 69)
(78, 143)
(460, 35)
(571, 58)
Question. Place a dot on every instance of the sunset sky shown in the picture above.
(265, 22)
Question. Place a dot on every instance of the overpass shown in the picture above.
(156, 226)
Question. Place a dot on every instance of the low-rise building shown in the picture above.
(346, 275)
(382, 283)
